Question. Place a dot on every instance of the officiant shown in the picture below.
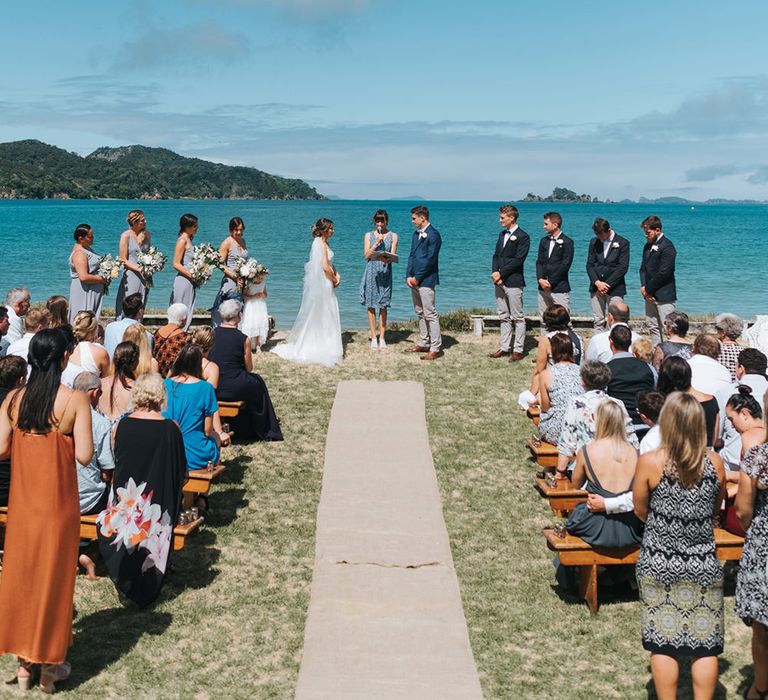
(376, 285)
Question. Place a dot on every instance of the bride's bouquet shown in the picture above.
(109, 268)
(248, 270)
(205, 259)
(150, 263)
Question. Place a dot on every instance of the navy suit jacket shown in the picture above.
(610, 269)
(422, 261)
(509, 260)
(555, 269)
(657, 271)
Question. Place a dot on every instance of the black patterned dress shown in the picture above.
(752, 581)
(679, 575)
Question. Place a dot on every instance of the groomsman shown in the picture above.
(507, 275)
(607, 264)
(422, 277)
(657, 277)
(553, 263)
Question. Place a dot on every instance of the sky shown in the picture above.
(376, 99)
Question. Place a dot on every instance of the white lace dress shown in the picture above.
(255, 321)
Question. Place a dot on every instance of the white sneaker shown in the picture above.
(374, 346)
(382, 344)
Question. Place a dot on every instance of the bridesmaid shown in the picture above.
(135, 239)
(231, 248)
(376, 285)
(86, 289)
(184, 290)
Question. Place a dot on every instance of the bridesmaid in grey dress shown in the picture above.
(376, 285)
(231, 249)
(184, 290)
(136, 238)
(86, 289)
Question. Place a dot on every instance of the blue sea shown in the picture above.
(719, 268)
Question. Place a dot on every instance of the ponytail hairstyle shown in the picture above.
(187, 221)
(683, 438)
(744, 401)
(81, 232)
(321, 226)
(46, 352)
(124, 364)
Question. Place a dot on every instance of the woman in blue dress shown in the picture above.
(191, 404)
(376, 285)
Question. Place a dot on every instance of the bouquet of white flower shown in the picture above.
(109, 268)
(205, 259)
(248, 270)
(150, 263)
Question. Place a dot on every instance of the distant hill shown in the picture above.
(34, 170)
(560, 194)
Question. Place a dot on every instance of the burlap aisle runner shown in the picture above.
(385, 617)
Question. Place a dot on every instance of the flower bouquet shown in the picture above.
(248, 270)
(205, 259)
(150, 263)
(109, 268)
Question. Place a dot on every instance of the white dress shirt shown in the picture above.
(708, 375)
(509, 233)
(599, 348)
(16, 327)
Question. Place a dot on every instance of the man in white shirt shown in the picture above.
(35, 320)
(599, 348)
(133, 312)
(17, 303)
(707, 374)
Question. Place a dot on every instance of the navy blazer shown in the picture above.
(610, 269)
(657, 271)
(509, 260)
(422, 261)
(555, 269)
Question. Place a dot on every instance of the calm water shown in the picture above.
(719, 264)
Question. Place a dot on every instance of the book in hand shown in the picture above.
(384, 256)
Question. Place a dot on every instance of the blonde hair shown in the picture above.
(642, 349)
(609, 425)
(148, 392)
(683, 437)
(84, 325)
(136, 333)
(203, 336)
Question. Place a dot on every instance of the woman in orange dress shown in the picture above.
(45, 427)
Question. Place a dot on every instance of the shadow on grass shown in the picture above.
(223, 505)
(104, 637)
(684, 683)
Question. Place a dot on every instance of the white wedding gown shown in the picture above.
(316, 333)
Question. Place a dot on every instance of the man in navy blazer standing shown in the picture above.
(607, 264)
(657, 277)
(553, 263)
(422, 277)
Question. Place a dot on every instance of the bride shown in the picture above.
(316, 334)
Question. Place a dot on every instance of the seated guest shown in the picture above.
(628, 376)
(13, 374)
(35, 320)
(133, 312)
(752, 579)
(151, 468)
(116, 387)
(192, 403)
(729, 328)
(707, 374)
(675, 329)
(559, 382)
(556, 319)
(170, 338)
(93, 478)
(137, 334)
(607, 466)
(203, 337)
(643, 350)
(58, 307)
(17, 305)
(579, 421)
(5, 324)
(599, 348)
(649, 404)
(237, 382)
(87, 356)
(675, 375)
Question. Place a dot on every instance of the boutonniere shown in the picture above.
(559, 241)
(654, 248)
(513, 237)
(614, 245)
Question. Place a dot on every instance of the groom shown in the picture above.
(422, 277)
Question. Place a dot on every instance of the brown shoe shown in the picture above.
(499, 353)
(432, 355)
(417, 348)
(516, 357)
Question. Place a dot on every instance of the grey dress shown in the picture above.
(131, 283)
(376, 285)
(566, 382)
(184, 292)
(82, 296)
(228, 289)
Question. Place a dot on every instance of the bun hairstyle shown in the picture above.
(187, 221)
(81, 232)
(236, 222)
(134, 216)
(744, 401)
(321, 226)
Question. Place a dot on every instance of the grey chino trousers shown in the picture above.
(509, 304)
(429, 322)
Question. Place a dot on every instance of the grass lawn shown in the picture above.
(230, 621)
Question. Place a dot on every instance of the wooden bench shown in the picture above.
(230, 409)
(534, 413)
(88, 530)
(544, 453)
(562, 497)
(573, 551)
(199, 483)
(480, 321)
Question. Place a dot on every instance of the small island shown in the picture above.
(561, 195)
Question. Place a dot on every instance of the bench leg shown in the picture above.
(588, 586)
(189, 500)
(477, 328)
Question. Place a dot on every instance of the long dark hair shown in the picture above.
(674, 375)
(186, 221)
(46, 351)
(124, 364)
(189, 361)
